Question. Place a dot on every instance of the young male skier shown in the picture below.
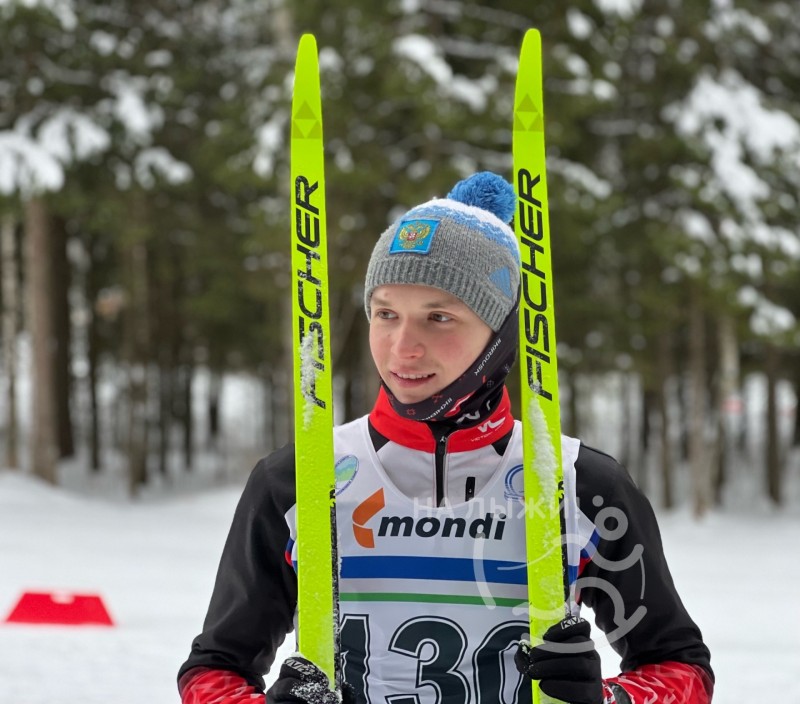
(431, 532)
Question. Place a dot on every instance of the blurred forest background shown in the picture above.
(145, 233)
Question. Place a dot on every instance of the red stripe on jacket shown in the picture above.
(206, 686)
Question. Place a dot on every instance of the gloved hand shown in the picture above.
(300, 681)
(566, 664)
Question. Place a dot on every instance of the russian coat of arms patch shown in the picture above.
(414, 236)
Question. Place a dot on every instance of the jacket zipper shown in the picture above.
(440, 458)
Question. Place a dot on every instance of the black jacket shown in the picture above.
(627, 583)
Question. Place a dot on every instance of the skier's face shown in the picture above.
(422, 339)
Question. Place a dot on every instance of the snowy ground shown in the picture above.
(153, 562)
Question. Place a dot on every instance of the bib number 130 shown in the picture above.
(439, 645)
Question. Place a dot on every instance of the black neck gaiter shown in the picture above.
(475, 394)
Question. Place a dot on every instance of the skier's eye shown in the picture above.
(385, 314)
(441, 317)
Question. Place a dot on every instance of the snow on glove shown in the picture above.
(566, 664)
(300, 681)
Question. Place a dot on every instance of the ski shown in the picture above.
(541, 421)
(313, 405)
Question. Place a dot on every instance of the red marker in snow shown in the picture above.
(60, 608)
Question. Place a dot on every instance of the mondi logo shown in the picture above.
(490, 526)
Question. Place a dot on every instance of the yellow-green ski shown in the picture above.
(313, 403)
(541, 420)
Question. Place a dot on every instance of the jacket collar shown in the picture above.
(418, 436)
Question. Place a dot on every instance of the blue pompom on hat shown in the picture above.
(487, 191)
(461, 244)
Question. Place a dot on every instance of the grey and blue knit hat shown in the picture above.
(461, 244)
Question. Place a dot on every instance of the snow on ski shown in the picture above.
(313, 402)
(541, 420)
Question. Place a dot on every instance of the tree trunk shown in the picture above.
(772, 451)
(573, 422)
(137, 334)
(280, 397)
(168, 326)
(93, 359)
(43, 436)
(364, 371)
(283, 380)
(213, 405)
(185, 390)
(166, 379)
(796, 432)
(265, 435)
(698, 387)
(664, 372)
(624, 429)
(10, 282)
(370, 376)
(63, 338)
(630, 452)
(729, 403)
(138, 437)
(649, 405)
(684, 421)
(93, 356)
(347, 364)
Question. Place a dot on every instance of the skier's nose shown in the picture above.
(407, 343)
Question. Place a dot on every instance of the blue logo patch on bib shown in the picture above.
(514, 489)
(346, 469)
(414, 236)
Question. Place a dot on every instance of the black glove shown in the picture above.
(566, 664)
(300, 681)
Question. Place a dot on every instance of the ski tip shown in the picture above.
(532, 38)
(307, 65)
(308, 42)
